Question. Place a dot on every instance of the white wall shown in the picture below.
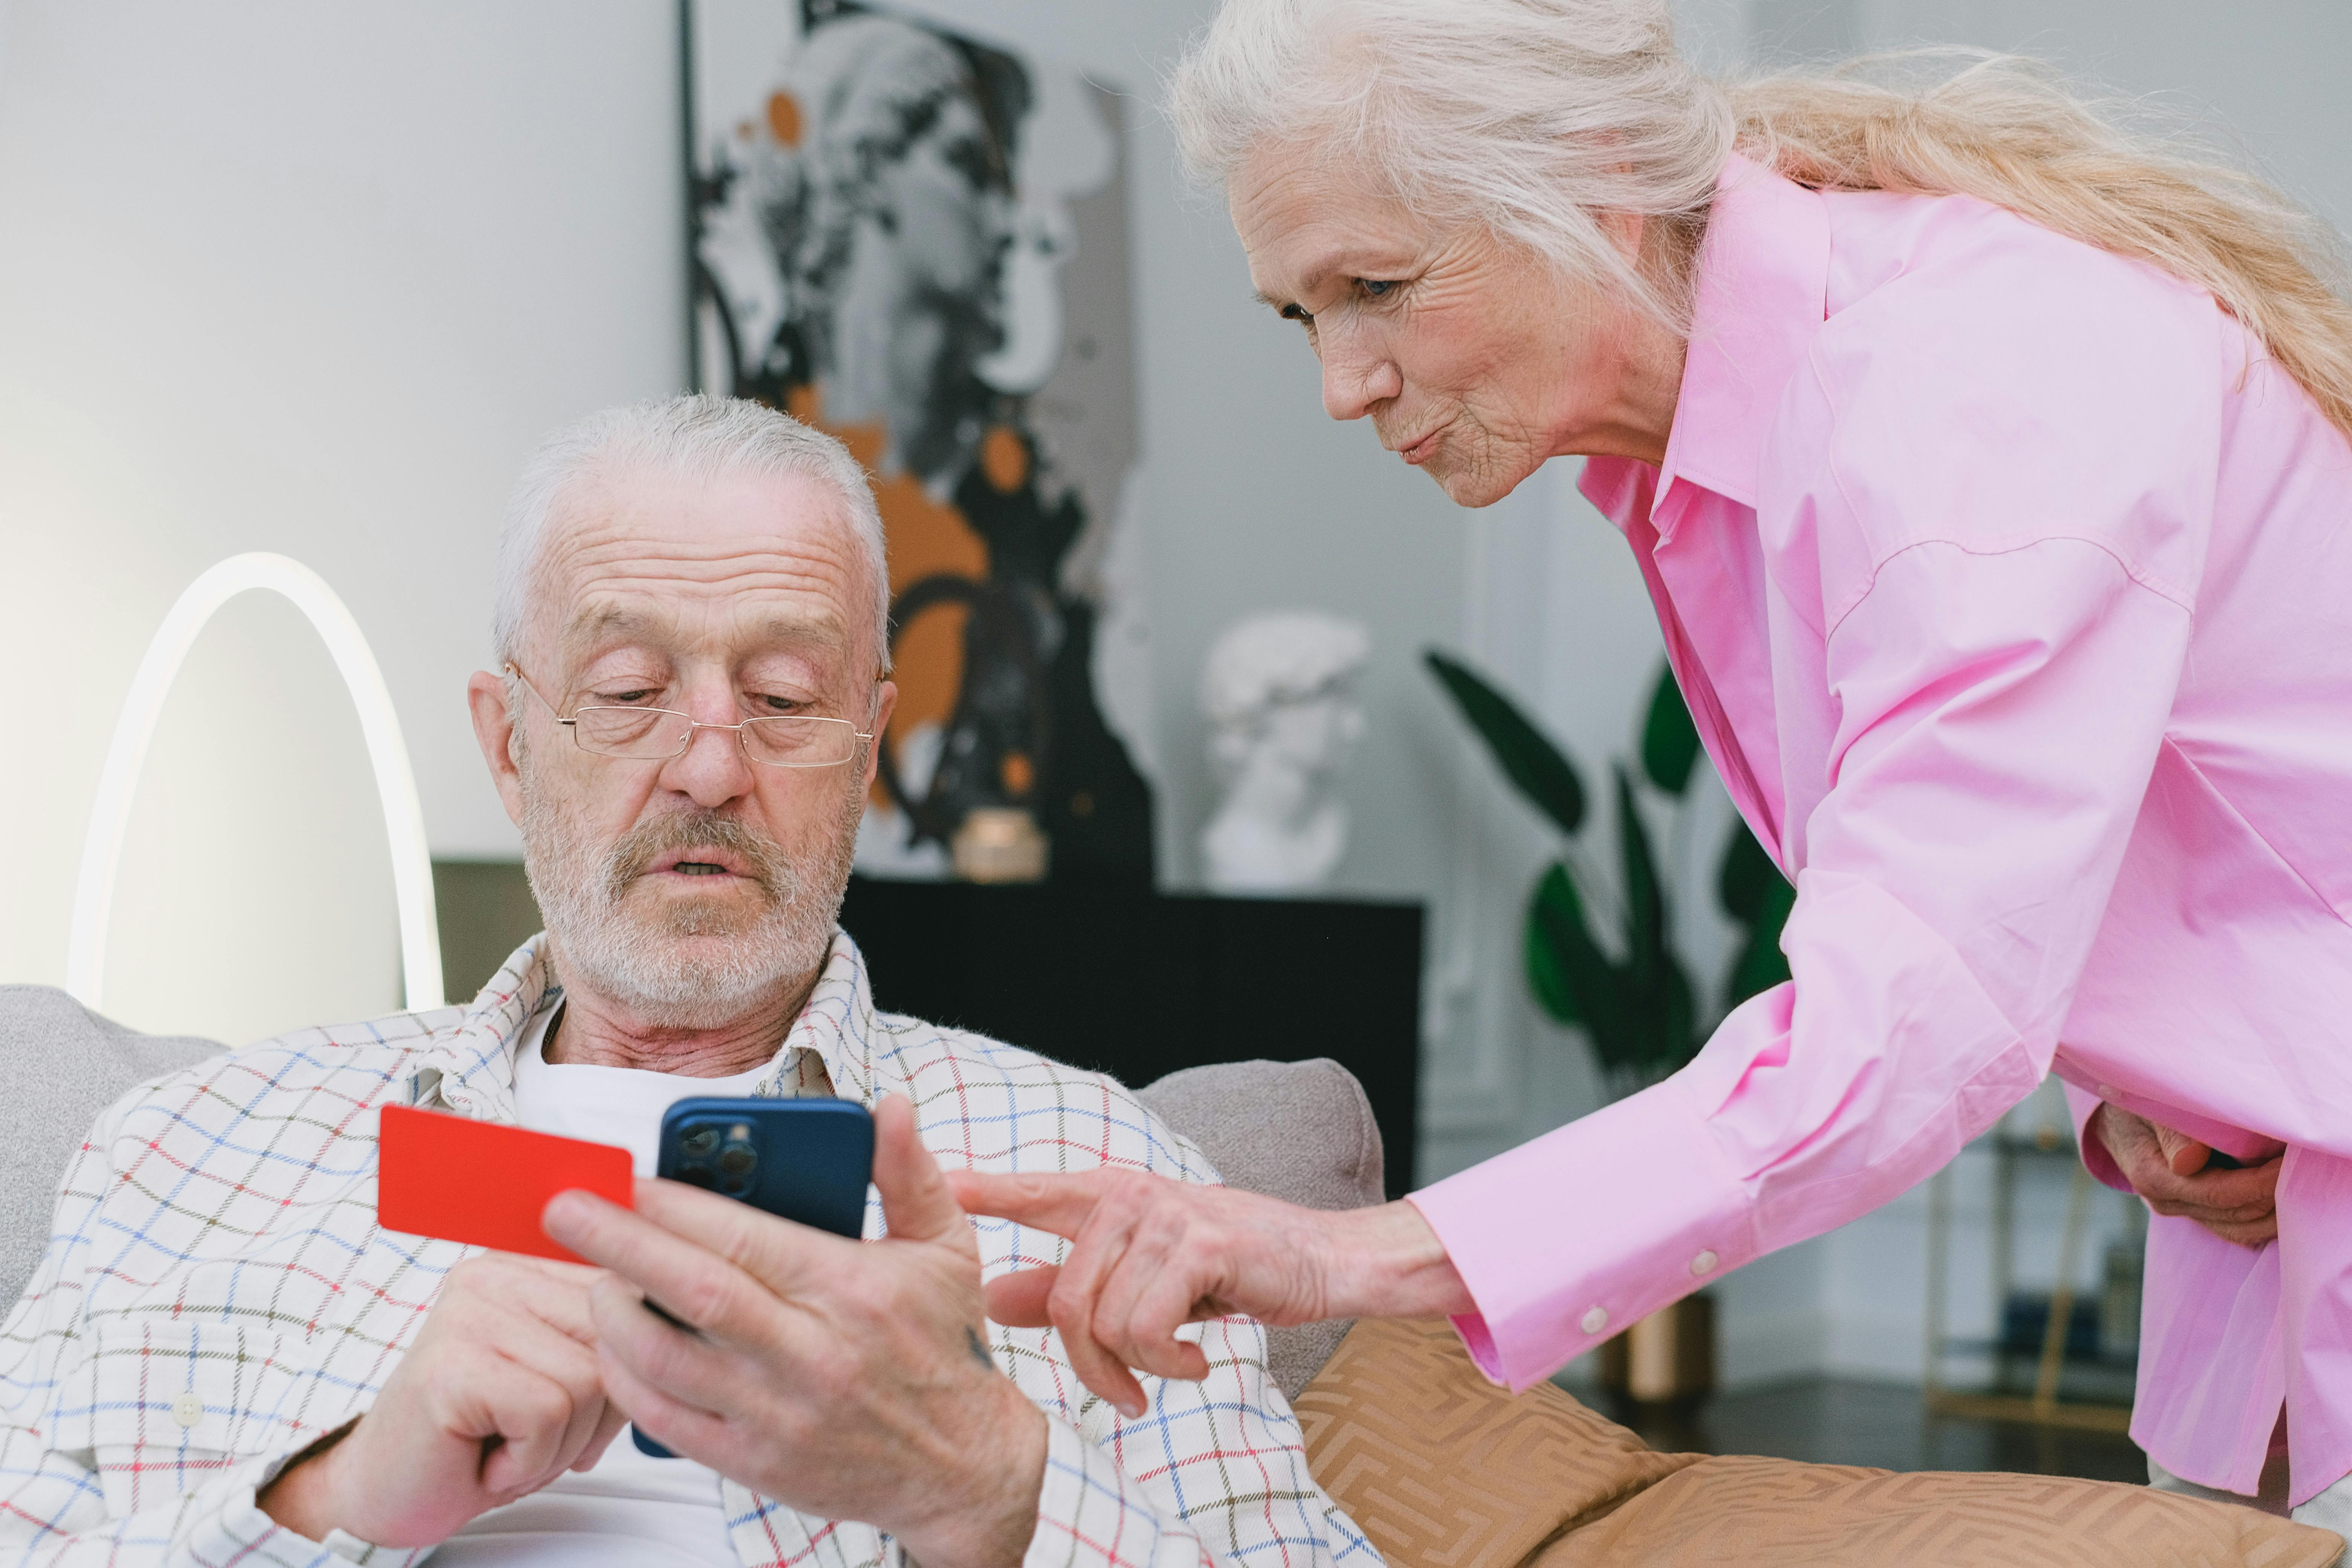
(2269, 75)
(313, 279)
(317, 278)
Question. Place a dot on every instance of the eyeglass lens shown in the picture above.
(791, 741)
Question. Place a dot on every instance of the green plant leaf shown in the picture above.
(1661, 1004)
(1747, 876)
(1669, 739)
(1677, 1039)
(1572, 977)
(1646, 938)
(1754, 893)
(1553, 903)
(1541, 770)
(1761, 964)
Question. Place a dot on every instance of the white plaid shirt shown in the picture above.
(216, 1295)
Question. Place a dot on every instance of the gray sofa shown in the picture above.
(1300, 1130)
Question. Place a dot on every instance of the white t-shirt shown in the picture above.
(631, 1510)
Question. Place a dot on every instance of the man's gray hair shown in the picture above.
(696, 437)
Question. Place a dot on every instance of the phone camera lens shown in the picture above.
(699, 1175)
(736, 1159)
(699, 1142)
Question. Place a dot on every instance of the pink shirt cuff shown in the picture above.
(1639, 1188)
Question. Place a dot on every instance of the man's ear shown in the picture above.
(485, 696)
(886, 699)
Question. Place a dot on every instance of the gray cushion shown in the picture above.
(63, 1063)
(1301, 1132)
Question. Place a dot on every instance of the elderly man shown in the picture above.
(222, 1359)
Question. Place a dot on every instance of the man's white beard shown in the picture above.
(682, 964)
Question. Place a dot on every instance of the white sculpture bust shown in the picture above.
(1279, 691)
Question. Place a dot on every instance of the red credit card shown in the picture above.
(484, 1183)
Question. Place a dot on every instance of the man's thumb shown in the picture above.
(916, 1201)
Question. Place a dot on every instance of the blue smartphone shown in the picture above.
(809, 1160)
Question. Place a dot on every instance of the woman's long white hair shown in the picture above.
(1531, 116)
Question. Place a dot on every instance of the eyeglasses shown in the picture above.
(657, 734)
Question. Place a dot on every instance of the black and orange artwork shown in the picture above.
(917, 241)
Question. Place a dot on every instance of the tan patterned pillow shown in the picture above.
(1442, 1469)
(1778, 1513)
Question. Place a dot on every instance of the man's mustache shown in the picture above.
(683, 830)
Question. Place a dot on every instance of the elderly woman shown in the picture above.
(1989, 472)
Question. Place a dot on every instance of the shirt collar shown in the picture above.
(1761, 296)
(469, 1065)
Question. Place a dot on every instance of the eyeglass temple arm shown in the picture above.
(516, 671)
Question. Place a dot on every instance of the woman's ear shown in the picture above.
(1626, 231)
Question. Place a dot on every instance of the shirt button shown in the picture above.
(1595, 1320)
(187, 1409)
(1704, 1262)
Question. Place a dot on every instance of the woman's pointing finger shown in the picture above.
(1061, 1205)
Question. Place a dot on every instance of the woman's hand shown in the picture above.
(1149, 1254)
(2167, 1169)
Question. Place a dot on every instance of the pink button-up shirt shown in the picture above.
(2011, 591)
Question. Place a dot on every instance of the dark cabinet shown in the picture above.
(1136, 984)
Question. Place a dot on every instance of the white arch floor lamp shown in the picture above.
(404, 817)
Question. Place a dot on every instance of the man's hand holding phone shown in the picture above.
(849, 1379)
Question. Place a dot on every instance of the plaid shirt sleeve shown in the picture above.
(54, 1505)
(1214, 1472)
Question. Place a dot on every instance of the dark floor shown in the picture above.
(1845, 1421)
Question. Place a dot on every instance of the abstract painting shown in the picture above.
(917, 241)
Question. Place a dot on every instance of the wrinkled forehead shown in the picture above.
(723, 566)
(1304, 212)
